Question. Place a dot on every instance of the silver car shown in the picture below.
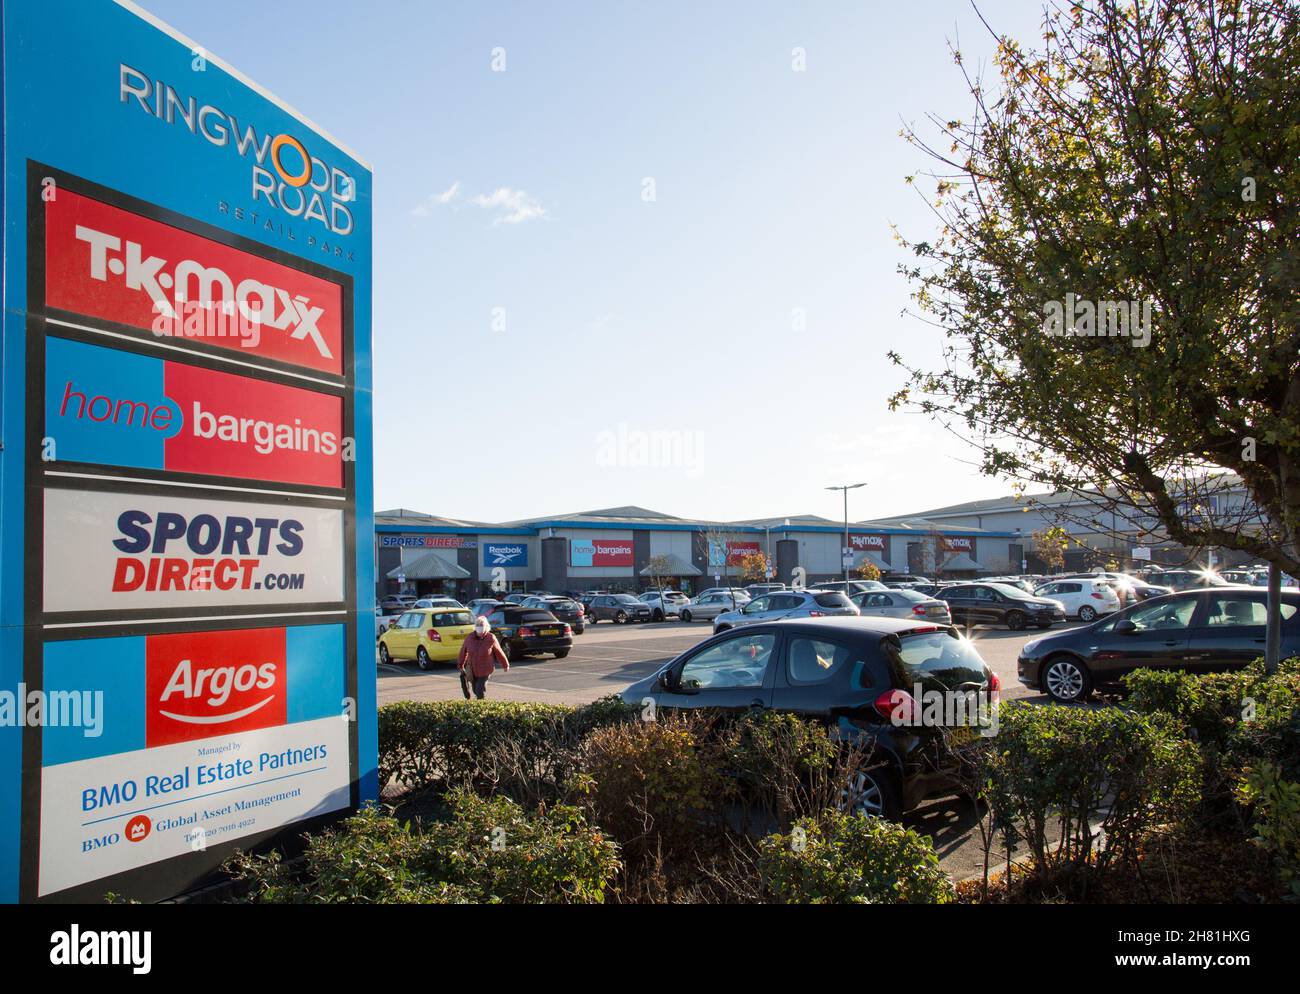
(787, 604)
(903, 603)
(708, 606)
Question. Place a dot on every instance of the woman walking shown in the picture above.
(480, 654)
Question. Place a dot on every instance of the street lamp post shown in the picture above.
(844, 556)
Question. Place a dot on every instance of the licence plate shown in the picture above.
(550, 631)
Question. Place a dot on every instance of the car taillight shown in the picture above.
(434, 636)
(895, 705)
(568, 630)
(994, 683)
(815, 614)
(1097, 595)
(918, 609)
(526, 633)
(581, 610)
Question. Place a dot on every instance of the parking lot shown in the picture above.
(608, 657)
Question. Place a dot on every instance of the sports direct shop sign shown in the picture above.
(185, 498)
(136, 551)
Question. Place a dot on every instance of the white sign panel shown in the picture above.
(105, 815)
(122, 551)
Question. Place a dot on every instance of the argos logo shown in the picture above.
(204, 684)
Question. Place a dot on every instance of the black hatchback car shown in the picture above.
(618, 608)
(853, 674)
(529, 632)
(564, 608)
(1201, 631)
(999, 604)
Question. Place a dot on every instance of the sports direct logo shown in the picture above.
(111, 264)
(203, 684)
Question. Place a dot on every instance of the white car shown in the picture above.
(666, 605)
(1084, 599)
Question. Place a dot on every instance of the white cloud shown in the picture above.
(513, 206)
(437, 200)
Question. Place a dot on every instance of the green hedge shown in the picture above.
(426, 742)
(851, 859)
(1054, 775)
(489, 852)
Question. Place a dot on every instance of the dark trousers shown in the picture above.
(480, 686)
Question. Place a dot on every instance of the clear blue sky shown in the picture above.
(522, 190)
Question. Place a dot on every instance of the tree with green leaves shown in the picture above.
(1117, 267)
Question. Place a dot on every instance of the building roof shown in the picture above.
(429, 566)
(677, 566)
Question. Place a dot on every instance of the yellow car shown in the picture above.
(427, 635)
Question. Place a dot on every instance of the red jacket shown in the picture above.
(483, 654)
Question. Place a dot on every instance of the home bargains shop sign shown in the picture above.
(186, 462)
(601, 552)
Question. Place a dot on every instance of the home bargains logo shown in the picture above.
(108, 263)
(601, 552)
(202, 684)
(115, 408)
(869, 543)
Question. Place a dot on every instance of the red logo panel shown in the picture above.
(253, 430)
(204, 684)
(109, 263)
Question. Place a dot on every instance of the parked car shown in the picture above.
(518, 596)
(902, 603)
(1202, 631)
(482, 605)
(741, 596)
(564, 608)
(1187, 579)
(438, 601)
(852, 674)
(891, 578)
(1028, 586)
(758, 589)
(665, 605)
(706, 607)
(1085, 599)
(787, 604)
(996, 604)
(526, 631)
(619, 608)
(383, 621)
(851, 587)
(426, 635)
(396, 603)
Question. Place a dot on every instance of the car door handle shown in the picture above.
(1174, 642)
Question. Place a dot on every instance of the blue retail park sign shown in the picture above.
(186, 505)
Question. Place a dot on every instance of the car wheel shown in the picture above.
(621, 617)
(422, 659)
(513, 654)
(873, 793)
(562, 653)
(384, 657)
(686, 616)
(1066, 680)
(1087, 613)
(657, 616)
(1016, 621)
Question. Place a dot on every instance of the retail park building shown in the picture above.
(613, 549)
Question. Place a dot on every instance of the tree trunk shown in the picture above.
(1273, 632)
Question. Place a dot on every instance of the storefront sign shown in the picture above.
(601, 552)
(507, 555)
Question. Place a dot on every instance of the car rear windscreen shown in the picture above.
(535, 616)
(833, 599)
(446, 619)
(937, 660)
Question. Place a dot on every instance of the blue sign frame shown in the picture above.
(102, 98)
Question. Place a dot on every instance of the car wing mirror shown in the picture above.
(665, 680)
(1125, 627)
